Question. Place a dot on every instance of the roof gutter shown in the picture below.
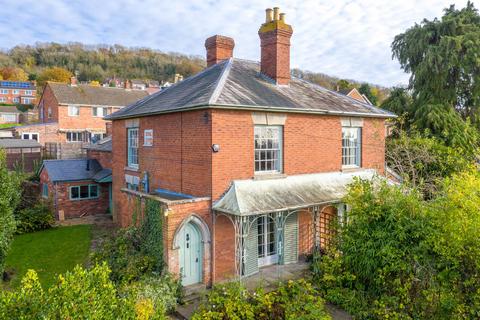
(258, 108)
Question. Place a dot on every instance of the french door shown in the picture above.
(267, 242)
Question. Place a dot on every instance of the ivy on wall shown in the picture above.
(151, 230)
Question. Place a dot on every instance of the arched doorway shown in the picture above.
(191, 254)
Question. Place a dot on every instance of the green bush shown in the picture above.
(164, 291)
(292, 300)
(9, 198)
(403, 257)
(135, 252)
(125, 256)
(38, 217)
(80, 294)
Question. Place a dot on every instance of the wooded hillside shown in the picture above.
(99, 62)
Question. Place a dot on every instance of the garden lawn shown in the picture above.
(8, 125)
(50, 252)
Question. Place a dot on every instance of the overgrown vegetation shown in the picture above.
(292, 300)
(403, 257)
(424, 162)
(79, 294)
(136, 251)
(34, 218)
(9, 198)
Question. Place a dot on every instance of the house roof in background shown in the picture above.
(101, 145)
(71, 170)
(88, 95)
(26, 85)
(19, 143)
(9, 109)
(238, 84)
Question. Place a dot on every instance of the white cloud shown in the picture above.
(348, 39)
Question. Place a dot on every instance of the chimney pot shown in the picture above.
(73, 81)
(275, 48)
(276, 13)
(219, 48)
(268, 15)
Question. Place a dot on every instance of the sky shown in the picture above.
(347, 39)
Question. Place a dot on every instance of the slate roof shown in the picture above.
(19, 143)
(72, 170)
(9, 109)
(238, 84)
(102, 145)
(88, 95)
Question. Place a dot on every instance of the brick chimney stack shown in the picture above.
(275, 37)
(219, 48)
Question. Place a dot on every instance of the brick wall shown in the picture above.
(77, 208)
(181, 160)
(84, 120)
(48, 100)
(47, 132)
(103, 157)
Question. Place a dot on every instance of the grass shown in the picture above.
(50, 252)
(8, 125)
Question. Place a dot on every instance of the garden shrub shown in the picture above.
(38, 217)
(9, 198)
(164, 291)
(80, 294)
(292, 300)
(124, 254)
(137, 251)
(403, 257)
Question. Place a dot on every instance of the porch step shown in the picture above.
(192, 298)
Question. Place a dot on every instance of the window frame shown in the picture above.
(45, 190)
(148, 141)
(78, 134)
(131, 156)
(30, 136)
(279, 150)
(78, 187)
(95, 112)
(358, 149)
(70, 108)
(4, 91)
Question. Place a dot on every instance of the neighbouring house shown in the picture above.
(21, 154)
(76, 187)
(17, 92)
(249, 164)
(355, 94)
(10, 114)
(72, 116)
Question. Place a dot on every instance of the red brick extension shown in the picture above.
(74, 208)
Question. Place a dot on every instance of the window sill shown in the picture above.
(131, 169)
(269, 175)
(351, 168)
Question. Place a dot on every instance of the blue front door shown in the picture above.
(190, 255)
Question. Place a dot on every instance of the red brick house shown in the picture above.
(249, 164)
(17, 92)
(72, 116)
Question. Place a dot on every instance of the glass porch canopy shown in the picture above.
(256, 196)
